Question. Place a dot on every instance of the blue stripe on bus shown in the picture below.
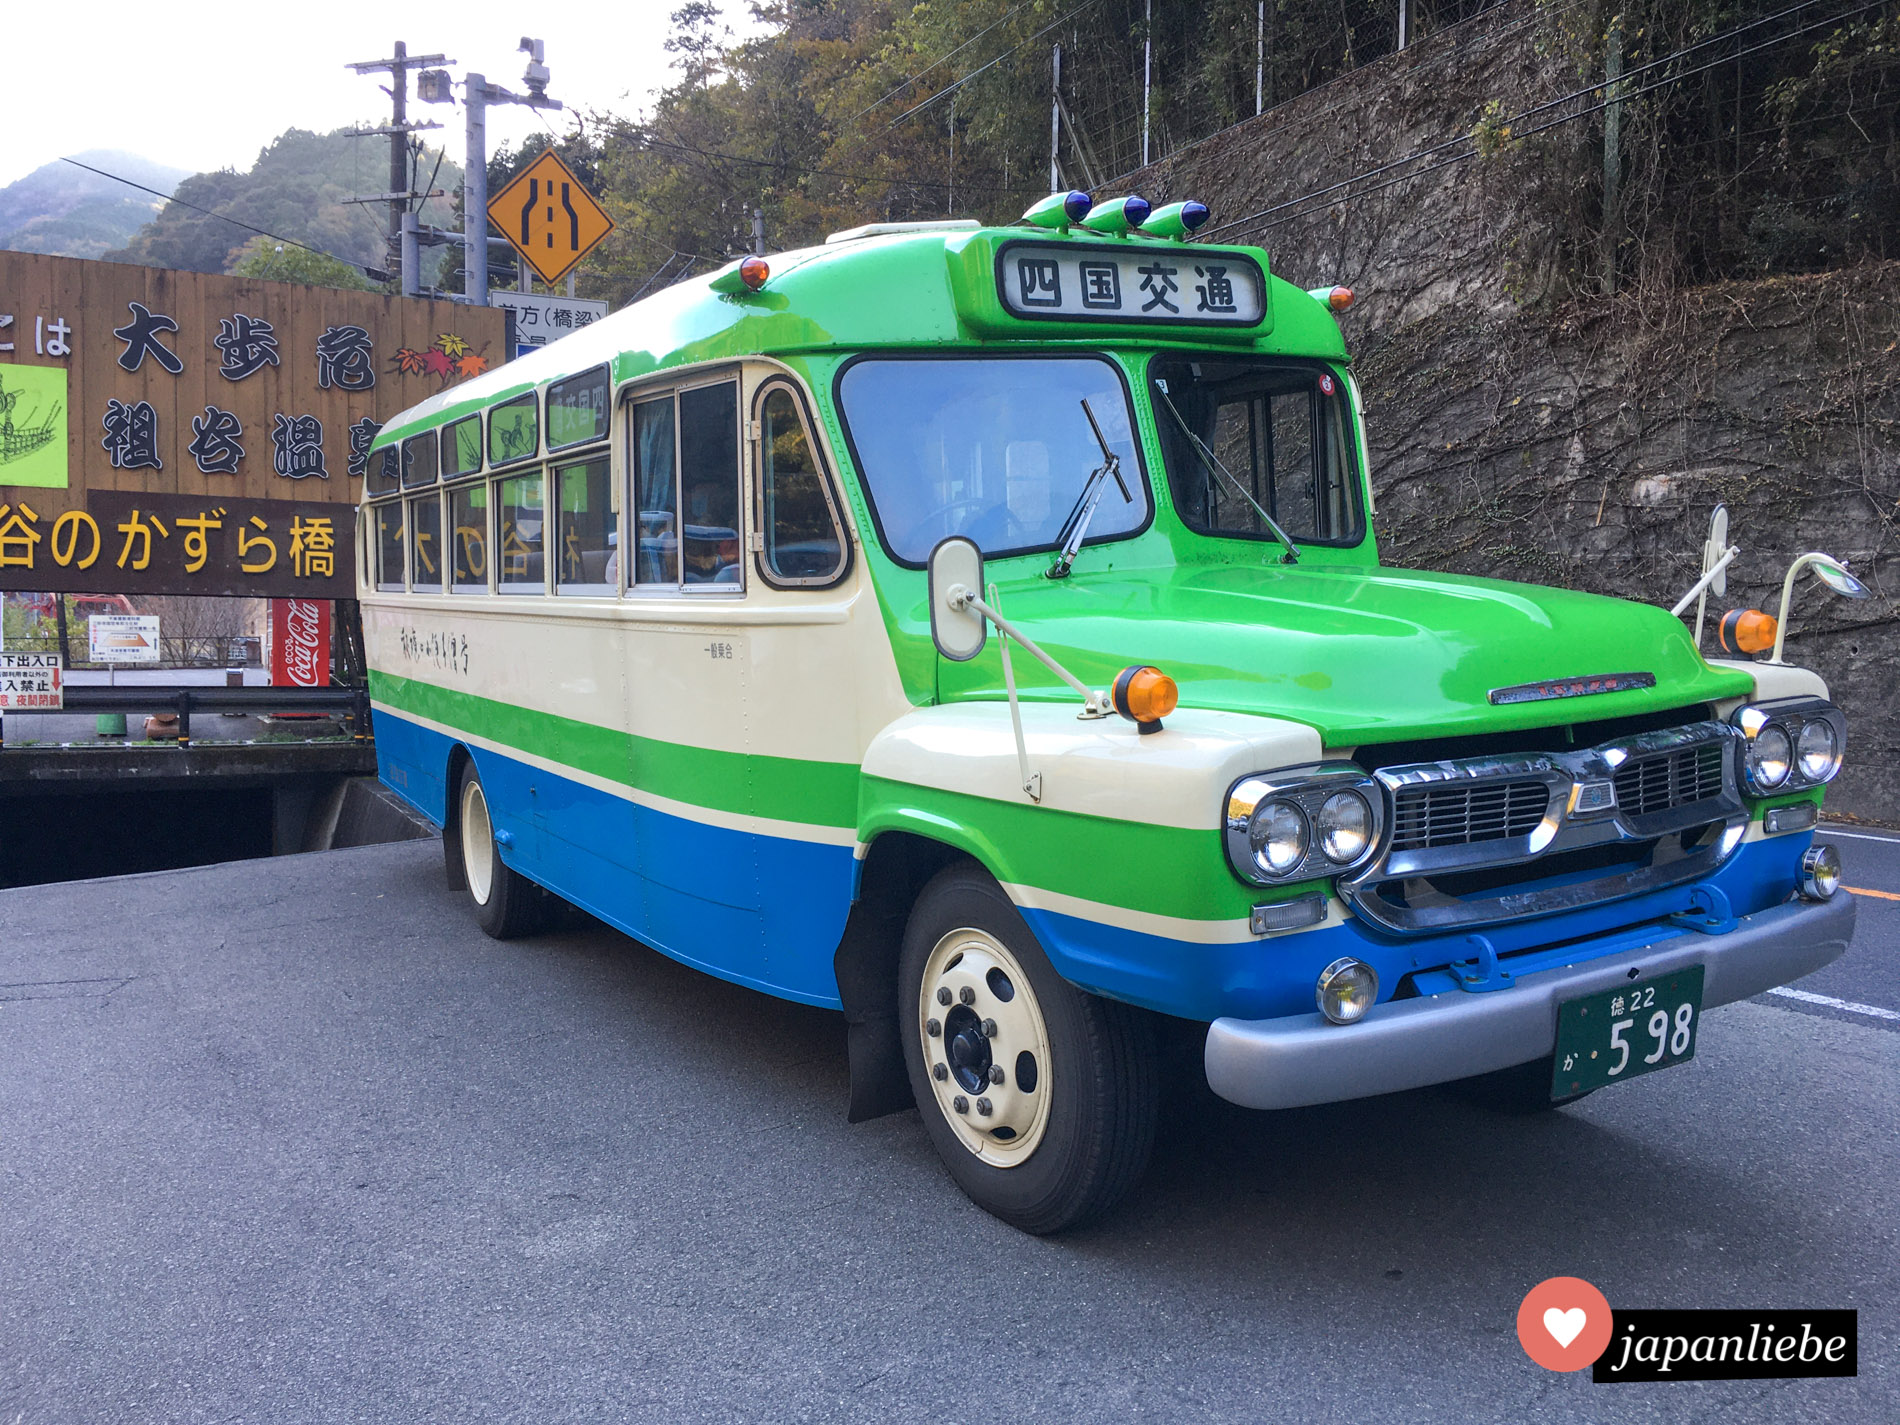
(762, 911)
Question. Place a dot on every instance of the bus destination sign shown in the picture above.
(1130, 283)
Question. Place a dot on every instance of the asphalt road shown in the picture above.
(292, 1141)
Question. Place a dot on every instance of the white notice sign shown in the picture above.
(1130, 282)
(123, 638)
(31, 682)
(542, 317)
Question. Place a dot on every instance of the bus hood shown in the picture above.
(1366, 655)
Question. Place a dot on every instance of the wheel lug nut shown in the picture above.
(989, 1028)
(940, 1072)
(943, 994)
(960, 1104)
(983, 1107)
(996, 1073)
(967, 995)
(932, 1028)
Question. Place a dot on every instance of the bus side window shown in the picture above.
(709, 486)
(804, 540)
(522, 520)
(655, 504)
(468, 537)
(588, 528)
(389, 546)
(425, 537)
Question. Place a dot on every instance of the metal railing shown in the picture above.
(352, 703)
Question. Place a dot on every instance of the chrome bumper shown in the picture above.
(1407, 1044)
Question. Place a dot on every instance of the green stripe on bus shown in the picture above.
(1162, 870)
(780, 788)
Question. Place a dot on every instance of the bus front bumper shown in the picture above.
(1406, 1044)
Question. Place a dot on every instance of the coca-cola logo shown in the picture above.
(304, 651)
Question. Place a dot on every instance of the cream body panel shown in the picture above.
(1100, 767)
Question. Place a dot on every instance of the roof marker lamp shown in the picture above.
(1118, 216)
(1144, 696)
(749, 274)
(1059, 210)
(1347, 988)
(1335, 299)
(1176, 220)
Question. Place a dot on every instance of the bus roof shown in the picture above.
(929, 289)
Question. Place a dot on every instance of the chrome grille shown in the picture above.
(1668, 780)
(1458, 815)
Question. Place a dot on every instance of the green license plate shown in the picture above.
(1603, 1039)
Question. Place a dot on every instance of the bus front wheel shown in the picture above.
(1041, 1099)
(507, 904)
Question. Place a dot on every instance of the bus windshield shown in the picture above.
(996, 449)
(1251, 444)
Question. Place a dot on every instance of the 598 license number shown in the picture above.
(1605, 1038)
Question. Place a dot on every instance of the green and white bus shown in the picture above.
(980, 631)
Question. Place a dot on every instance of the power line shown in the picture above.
(935, 64)
(1056, 23)
(248, 227)
(788, 167)
(1622, 96)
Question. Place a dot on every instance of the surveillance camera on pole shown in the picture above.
(478, 94)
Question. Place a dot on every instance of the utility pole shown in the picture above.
(1147, 70)
(1612, 150)
(758, 241)
(477, 95)
(399, 197)
(1055, 121)
(1260, 59)
(1404, 21)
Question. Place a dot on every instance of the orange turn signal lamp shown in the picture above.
(1144, 696)
(1337, 299)
(748, 275)
(1746, 631)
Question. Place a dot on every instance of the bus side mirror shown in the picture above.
(956, 576)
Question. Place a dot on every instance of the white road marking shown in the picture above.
(1808, 997)
(1861, 836)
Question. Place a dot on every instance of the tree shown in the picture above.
(280, 262)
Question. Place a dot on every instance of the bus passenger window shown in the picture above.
(577, 409)
(589, 529)
(389, 546)
(709, 485)
(518, 506)
(418, 461)
(655, 509)
(385, 468)
(468, 538)
(514, 431)
(462, 447)
(425, 533)
(803, 541)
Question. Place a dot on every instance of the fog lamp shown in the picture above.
(1345, 827)
(1278, 834)
(1820, 872)
(1768, 758)
(1346, 990)
(1819, 752)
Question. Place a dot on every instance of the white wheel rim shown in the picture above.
(478, 843)
(978, 999)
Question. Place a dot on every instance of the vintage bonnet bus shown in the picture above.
(980, 631)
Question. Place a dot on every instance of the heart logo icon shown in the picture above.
(1564, 1326)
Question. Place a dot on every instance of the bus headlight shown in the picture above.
(1793, 743)
(1303, 823)
(1820, 872)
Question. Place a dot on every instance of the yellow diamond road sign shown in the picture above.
(552, 221)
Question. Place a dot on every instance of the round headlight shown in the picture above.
(1818, 751)
(1820, 872)
(1768, 756)
(1345, 827)
(1346, 990)
(1278, 835)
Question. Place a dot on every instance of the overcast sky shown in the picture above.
(206, 85)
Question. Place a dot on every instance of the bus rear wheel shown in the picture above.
(1041, 1099)
(507, 904)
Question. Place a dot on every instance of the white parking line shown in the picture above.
(1860, 836)
(1807, 997)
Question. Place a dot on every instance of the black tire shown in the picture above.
(507, 904)
(1086, 1141)
(1522, 1090)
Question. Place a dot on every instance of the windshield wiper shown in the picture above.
(1076, 527)
(1212, 461)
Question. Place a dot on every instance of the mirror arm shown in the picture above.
(1700, 589)
(1096, 704)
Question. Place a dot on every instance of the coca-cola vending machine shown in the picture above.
(300, 643)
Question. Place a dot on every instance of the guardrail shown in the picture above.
(353, 703)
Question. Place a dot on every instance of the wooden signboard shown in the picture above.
(156, 426)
